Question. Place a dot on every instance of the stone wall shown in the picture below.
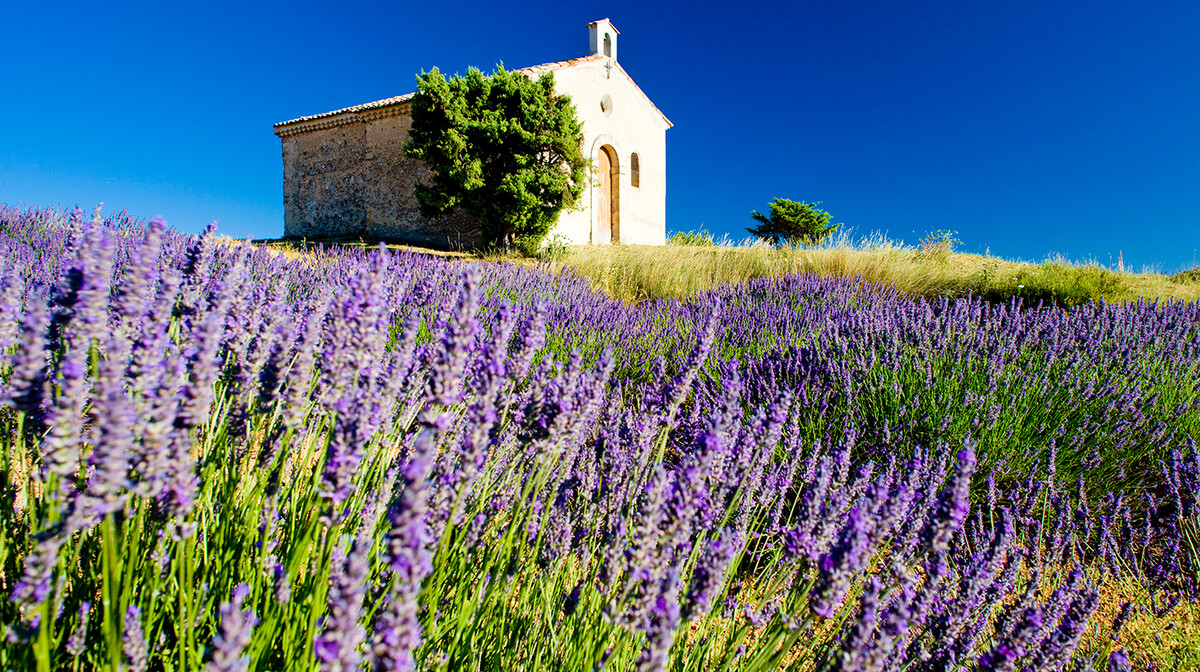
(351, 179)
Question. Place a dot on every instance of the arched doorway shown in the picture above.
(608, 198)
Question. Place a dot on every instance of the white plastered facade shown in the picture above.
(615, 113)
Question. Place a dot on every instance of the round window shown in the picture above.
(606, 104)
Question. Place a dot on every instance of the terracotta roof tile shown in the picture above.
(355, 108)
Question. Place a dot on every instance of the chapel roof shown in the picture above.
(354, 112)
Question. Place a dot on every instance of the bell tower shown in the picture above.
(602, 38)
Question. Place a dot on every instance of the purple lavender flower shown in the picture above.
(397, 636)
(60, 448)
(1057, 648)
(1121, 618)
(80, 301)
(345, 450)
(661, 623)
(455, 473)
(139, 279)
(26, 388)
(296, 393)
(24, 630)
(1118, 661)
(137, 656)
(35, 583)
(110, 460)
(839, 566)
(10, 303)
(951, 629)
(533, 338)
(571, 600)
(450, 361)
(398, 630)
(77, 642)
(709, 575)
(953, 504)
(894, 623)
(237, 626)
(283, 586)
(338, 647)
(689, 369)
(857, 649)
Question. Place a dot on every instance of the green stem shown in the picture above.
(42, 646)
(110, 592)
(185, 621)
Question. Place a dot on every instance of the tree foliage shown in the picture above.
(793, 223)
(505, 149)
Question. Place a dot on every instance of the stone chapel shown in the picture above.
(345, 173)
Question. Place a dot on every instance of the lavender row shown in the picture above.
(1110, 389)
(225, 457)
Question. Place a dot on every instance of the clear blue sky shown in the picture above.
(1030, 128)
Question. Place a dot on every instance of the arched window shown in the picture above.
(635, 171)
(608, 45)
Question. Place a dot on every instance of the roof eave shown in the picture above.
(396, 105)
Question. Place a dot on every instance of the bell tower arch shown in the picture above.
(602, 38)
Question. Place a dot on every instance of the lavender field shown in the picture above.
(222, 457)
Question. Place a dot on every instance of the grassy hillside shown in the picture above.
(636, 272)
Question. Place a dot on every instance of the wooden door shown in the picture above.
(603, 212)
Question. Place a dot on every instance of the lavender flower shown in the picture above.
(709, 575)
(1118, 661)
(450, 362)
(13, 286)
(338, 648)
(237, 626)
(23, 631)
(26, 388)
(110, 460)
(137, 656)
(571, 600)
(1057, 648)
(77, 642)
(139, 279)
(953, 504)
(1121, 618)
(662, 621)
(283, 586)
(34, 586)
(345, 450)
(398, 630)
(857, 650)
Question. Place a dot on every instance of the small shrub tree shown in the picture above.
(701, 238)
(505, 149)
(1188, 277)
(793, 223)
(939, 245)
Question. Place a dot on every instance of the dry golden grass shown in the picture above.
(1152, 642)
(636, 272)
(295, 248)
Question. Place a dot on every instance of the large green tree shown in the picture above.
(793, 223)
(504, 148)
